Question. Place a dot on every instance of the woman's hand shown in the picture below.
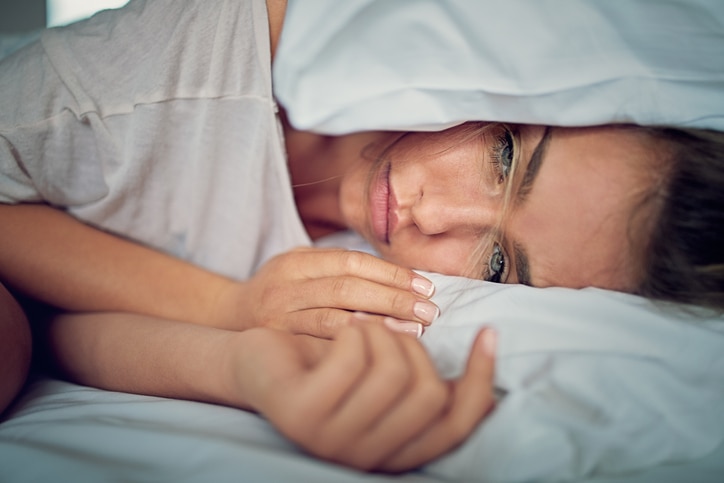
(318, 291)
(370, 399)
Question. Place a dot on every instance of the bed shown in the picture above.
(63, 432)
(594, 386)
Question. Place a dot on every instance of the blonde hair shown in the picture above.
(489, 237)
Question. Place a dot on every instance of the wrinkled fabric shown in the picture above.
(596, 383)
(157, 122)
(370, 64)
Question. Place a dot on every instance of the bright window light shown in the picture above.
(63, 12)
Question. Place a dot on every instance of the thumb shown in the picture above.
(475, 388)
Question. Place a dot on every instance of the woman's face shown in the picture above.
(569, 221)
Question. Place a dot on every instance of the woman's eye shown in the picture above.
(504, 154)
(496, 265)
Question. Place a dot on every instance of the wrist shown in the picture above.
(246, 358)
(223, 311)
(235, 388)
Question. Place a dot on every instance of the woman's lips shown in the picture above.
(380, 208)
(391, 209)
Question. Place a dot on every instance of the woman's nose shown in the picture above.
(451, 210)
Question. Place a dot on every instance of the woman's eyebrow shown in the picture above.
(531, 170)
(522, 267)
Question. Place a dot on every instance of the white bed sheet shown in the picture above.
(64, 432)
(60, 431)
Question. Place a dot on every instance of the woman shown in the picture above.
(157, 123)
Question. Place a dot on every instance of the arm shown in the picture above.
(55, 258)
(370, 399)
(148, 355)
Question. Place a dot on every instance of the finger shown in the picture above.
(385, 382)
(364, 265)
(358, 294)
(339, 373)
(323, 388)
(314, 349)
(324, 322)
(473, 398)
(410, 328)
(424, 402)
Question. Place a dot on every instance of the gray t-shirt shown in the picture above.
(157, 122)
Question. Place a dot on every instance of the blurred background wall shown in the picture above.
(22, 15)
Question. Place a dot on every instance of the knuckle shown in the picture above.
(324, 323)
(353, 262)
(279, 260)
(401, 302)
(400, 275)
(340, 288)
(290, 260)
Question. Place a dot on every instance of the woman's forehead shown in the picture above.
(576, 225)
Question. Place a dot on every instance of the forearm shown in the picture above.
(148, 355)
(53, 257)
(371, 398)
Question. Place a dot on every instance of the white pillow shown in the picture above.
(597, 382)
(352, 65)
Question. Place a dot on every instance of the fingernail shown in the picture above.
(490, 342)
(411, 328)
(426, 311)
(423, 286)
